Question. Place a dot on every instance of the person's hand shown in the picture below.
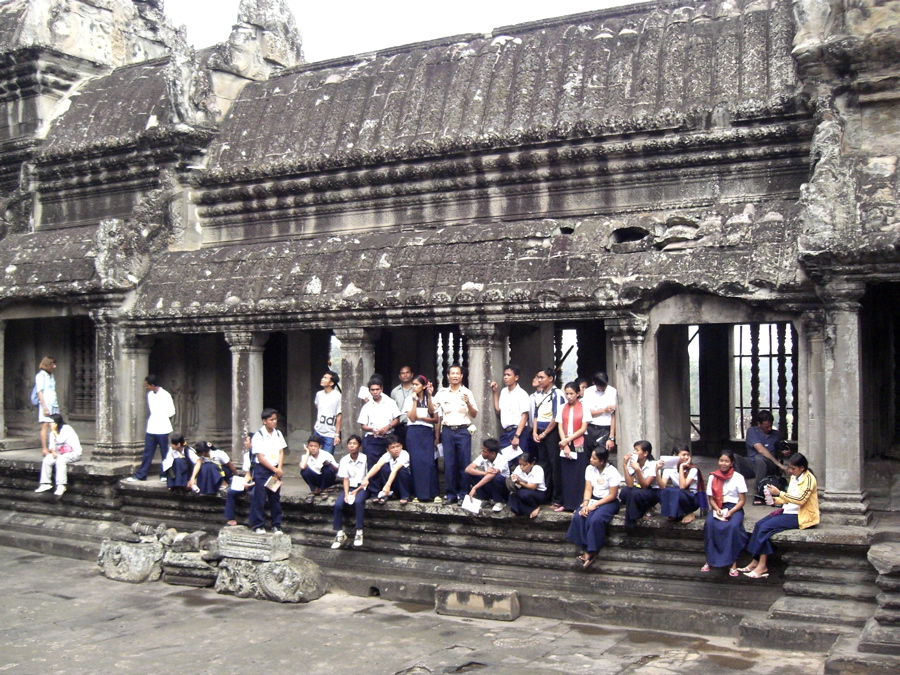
(774, 491)
(306, 449)
(279, 473)
(45, 452)
(492, 471)
(585, 510)
(337, 441)
(610, 444)
(190, 483)
(534, 435)
(568, 451)
(514, 442)
(430, 389)
(364, 484)
(626, 460)
(472, 493)
(494, 387)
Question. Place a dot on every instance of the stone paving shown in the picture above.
(60, 616)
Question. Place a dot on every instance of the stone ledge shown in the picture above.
(477, 602)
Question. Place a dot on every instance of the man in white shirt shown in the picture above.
(546, 401)
(512, 404)
(488, 474)
(159, 426)
(377, 419)
(600, 400)
(328, 411)
(458, 409)
(267, 447)
(390, 474)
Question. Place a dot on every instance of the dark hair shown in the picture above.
(549, 372)
(176, 440)
(405, 366)
(249, 434)
(515, 369)
(204, 448)
(580, 381)
(799, 461)
(527, 457)
(391, 439)
(376, 380)
(729, 453)
(764, 416)
(355, 437)
(315, 438)
(602, 454)
(267, 413)
(421, 379)
(58, 420)
(571, 385)
(601, 379)
(335, 379)
(646, 447)
(456, 365)
(152, 380)
(491, 444)
(679, 447)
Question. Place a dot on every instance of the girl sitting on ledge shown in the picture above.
(600, 504)
(680, 486)
(724, 535)
(641, 492)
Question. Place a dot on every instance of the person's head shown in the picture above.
(48, 363)
(582, 384)
(511, 374)
(683, 452)
(418, 384)
(571, 392)
(177, 441)
(601, 380)
(394, 446)
(489, 448)
(764, 421)
(455, 375)
(329, 379)
(797, 464)
(643, 450)
(545, 377)
(58, 422)
(526, 462)
(270, 418)
(784, 449)
(599, 457)
(354, 443)
(151, 382)
(405, 374)
(726, 460)
(535, 382)
(376, 386)
(248, 441)
(314, 444)
(203, 448)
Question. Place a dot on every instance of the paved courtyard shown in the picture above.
(60, 616)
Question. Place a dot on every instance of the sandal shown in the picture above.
(759, 502)
(705, 568)
(733, 572)
(403, 502)
(743, 570)
(754, 575)
(311, 499)
(559, 508)
(590, 561)
(380, 500)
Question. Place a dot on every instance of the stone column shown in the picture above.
(811, 395)
(627, 335)
(357, 366)
(246, 384)
(132, 404)
(2, 378)
(486, 351)
(844, 495)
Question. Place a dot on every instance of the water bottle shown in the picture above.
(769, 499)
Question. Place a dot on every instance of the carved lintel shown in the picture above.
(133, 343)
(842, 295)
(626, 329)
(246, 341)
(813, 321)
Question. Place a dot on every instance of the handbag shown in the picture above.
(65, 449)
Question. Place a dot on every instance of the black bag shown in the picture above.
(779, 482)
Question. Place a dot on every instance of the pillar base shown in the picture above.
(118, 452)
(845, 508)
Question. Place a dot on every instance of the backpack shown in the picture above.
(34, 395)
(779, 482)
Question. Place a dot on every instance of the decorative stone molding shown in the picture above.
(293, 580)
(246, 341)
(134, 563)
(626, 329)
(484, 335)
(357, 338)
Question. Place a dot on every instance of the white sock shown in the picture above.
(359, 532)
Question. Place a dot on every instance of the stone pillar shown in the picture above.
(627, 336)
(844, 495)
(246, 384)
(811, 394)
(132, 405)
(487, 349)
(357, 366)
(2, 378)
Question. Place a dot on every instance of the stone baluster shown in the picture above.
(486, 353)
(627, 335)
(246, 383)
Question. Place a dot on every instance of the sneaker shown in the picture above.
(358, 539)
(259, 530)
(339, 539)
(277, 530)
(134, 479)
(43, 487)
(498, 507)
(60, 490)
(162, 479)
(438, 500)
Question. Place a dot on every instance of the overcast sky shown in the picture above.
(332, 29)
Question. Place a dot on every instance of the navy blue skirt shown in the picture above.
(724, 539)
(420, 444)
(572, 476)
(179, 473)
(209, 478)
(677, 503)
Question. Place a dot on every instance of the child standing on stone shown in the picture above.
(267, 447)
(352, 472)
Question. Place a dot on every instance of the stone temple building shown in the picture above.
(702, 192)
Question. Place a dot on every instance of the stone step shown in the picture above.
(821, 610)
(768, 633)
(823, 575)
(809, 589)
(844, 658)
(834, 560)
(50, 544)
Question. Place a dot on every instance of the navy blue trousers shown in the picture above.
(523, 501)
(260, 497)
(495, 489)
(319, 481)
(151, 441)
(457, 456)
(358, 506)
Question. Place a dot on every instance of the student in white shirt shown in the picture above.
(390, 471)
(159, 426)
(232, 495)
(600, 403)
(641, 491)
(328, 411)
(600, 504)
(64, 449)
(267, 447)
(458, 410)
(724, 534)
(208, 475)
(377, 419)
(545, 404)
(421, 440)
(530, 490)
(179, 463)
(400, 395)
(45, 392)
(317, 467)
(679, 486)
(488, 474)
(352, 472)
(511, 403)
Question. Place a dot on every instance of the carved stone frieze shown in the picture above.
(291, 580)
(134, 563)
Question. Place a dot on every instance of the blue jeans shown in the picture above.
(328, 444)
(150, 443)
(457, 456)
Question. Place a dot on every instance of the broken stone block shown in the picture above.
(477, 602)
(119, 532)
(242, 544)
(187, 569)
(169, 536)
(293, 580)
(134, 563)
(192, 542)
(885, 558)
(144, 529)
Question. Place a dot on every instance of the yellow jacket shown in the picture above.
(803, 491)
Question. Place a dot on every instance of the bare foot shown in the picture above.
(231, 523)
(535, 513)
(689, 518)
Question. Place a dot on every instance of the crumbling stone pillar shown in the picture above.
(2, 378)
(627, 335)
(357, 366)
(811, 394)
(246, 382)
(844, 492)
(486, 352)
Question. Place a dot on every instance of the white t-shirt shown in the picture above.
(794, 491)
(378, 414)
(317, 463)
(674, 481)
(542, 407)
(402, 459)
(594, 400)
(162, 409)
(732, 489)
(66, 436)
(647, 471)
(602, 481)
(353, 470)
(268, 445)
(328, 407)
(512, 405)
(220, 457)
(184, 452)
(453, 408)
(46, 384)
(499, 463)
(422, 411)
(536, 475)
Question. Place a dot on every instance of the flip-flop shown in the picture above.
(403, 502)
(742, 570)
(754, 575)
(310, 499)
(559, 508)
(588, 562)
(380, 500)
(734, 573)
(705, 568)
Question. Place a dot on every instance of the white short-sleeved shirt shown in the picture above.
(512, 405)
(378, 414)
(318, 462)
(499, 463)
(162, 410)
(220, 457)
(185, 452)
(453, 408)
(647, 471)
(732, 489)
(354, 470)
(542, 408)
(422, 411)
(402, 459)
(594, 400)
(65, 436)
(672, 476)
(328, 407)
(46, 384)
(602, 481)
(536, 475)
(268, 445)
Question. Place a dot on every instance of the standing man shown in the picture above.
(512, 404)
(328, 411)
(45, 393)
(267, 447)
(545, 402)
(399, 394)
(600, 399)
(159, 426)
(377, 419)
(458, 409)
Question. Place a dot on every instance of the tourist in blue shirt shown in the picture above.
(762, 453)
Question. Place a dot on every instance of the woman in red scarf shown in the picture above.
(724, 535)
(572, 424)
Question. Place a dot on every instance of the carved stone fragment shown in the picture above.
(188, 569)
(294, 580)
(134, 563)
(240, 543)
